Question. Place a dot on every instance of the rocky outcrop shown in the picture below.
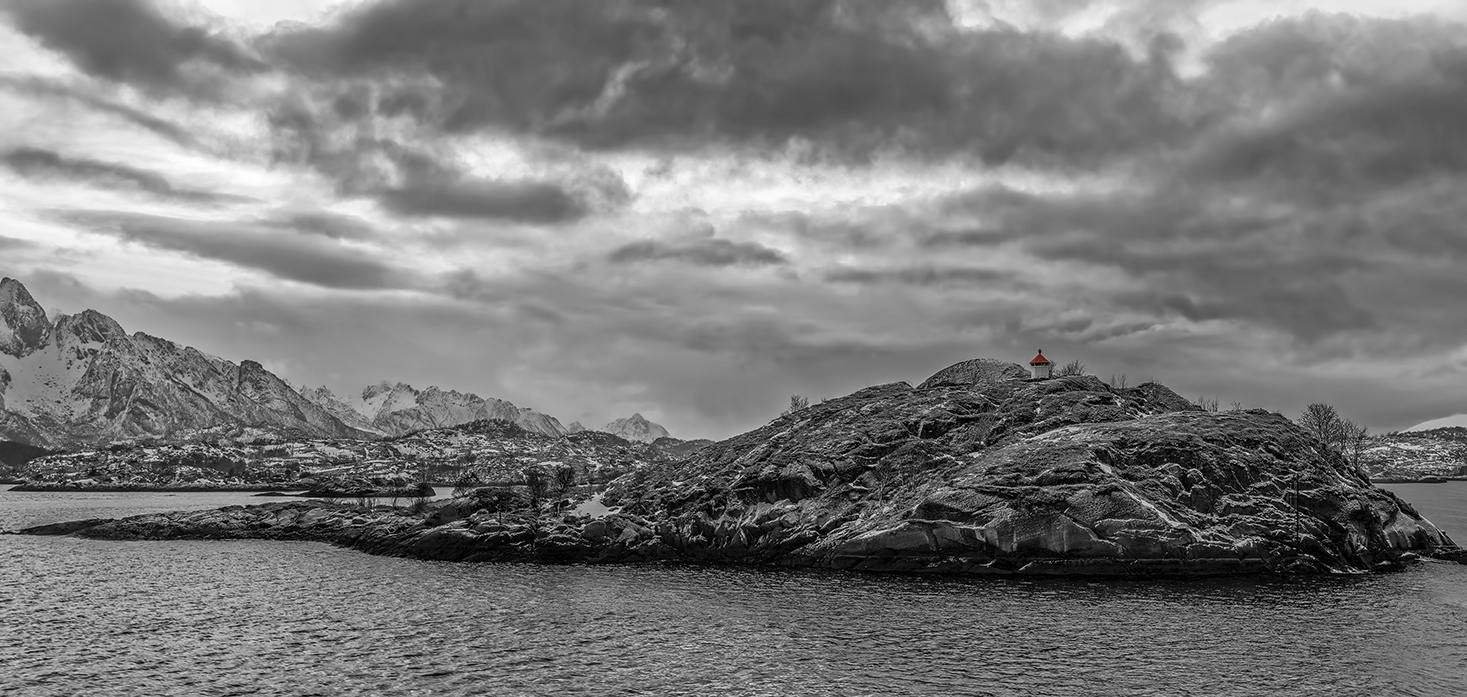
(995, 476)
(978, 372)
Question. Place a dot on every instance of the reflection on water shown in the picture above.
(146, 618)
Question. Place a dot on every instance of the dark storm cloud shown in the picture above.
(707, 252)
(307, 259)
(1202, 254)
(850, 75)
(920, 276)
(535, 202)
(36, 163)
(411, 181)
(1374, 139)
(128, 41)
(1356, 105)
(325, 224)
(46, 88)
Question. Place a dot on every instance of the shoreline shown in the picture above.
(63, 488)
(458, 531)
(1418, 480)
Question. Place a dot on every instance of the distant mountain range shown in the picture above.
(81, 379)
(395, 409)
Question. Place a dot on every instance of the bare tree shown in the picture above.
(1356, 438)
(1074, 367)
(797, 403)
(467, 482)
(1207, 403)
(420, 501)
(1237, 406)
(565, 478)
(1324, 423)
(537, 482)
(1118, 382)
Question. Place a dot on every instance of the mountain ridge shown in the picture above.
(82, 379)
(394, 409)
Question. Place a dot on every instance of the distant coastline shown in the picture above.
(1430, 479)
(113, 488)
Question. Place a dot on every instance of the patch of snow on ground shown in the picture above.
(594, 508)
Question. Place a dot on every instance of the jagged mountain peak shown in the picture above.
(637, 428)
(23, 322)
(90, 326)
(386, 387)
(14, 292)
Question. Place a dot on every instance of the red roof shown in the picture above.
(1040, 360)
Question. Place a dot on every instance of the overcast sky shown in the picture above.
(695, 209)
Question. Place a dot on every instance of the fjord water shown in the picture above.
(235, 618)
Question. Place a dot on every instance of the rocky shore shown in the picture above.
(979, 470)
(110, 488)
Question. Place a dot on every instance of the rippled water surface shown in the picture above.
(236, 618)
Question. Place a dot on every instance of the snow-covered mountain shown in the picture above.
(397, 408)
(636, 428)
(1454, 421)
(82, 379)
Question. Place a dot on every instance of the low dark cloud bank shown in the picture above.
(707, 252)
(130, 41)
(38, 163)
(284, 254)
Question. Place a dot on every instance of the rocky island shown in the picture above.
(981, 469)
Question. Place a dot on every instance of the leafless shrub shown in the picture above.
(1074, 367)
(565, 478)
(797, 402)
(537, 483)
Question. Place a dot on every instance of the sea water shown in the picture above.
(88, 617)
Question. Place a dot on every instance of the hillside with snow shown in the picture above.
(81, 379)
(1440, 452)
(494, 450)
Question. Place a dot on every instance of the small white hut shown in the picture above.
(1041, 365)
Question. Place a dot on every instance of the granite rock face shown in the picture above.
(978, 371)
(999, 475)
(1005, 474)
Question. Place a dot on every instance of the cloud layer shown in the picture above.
(693, 209)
